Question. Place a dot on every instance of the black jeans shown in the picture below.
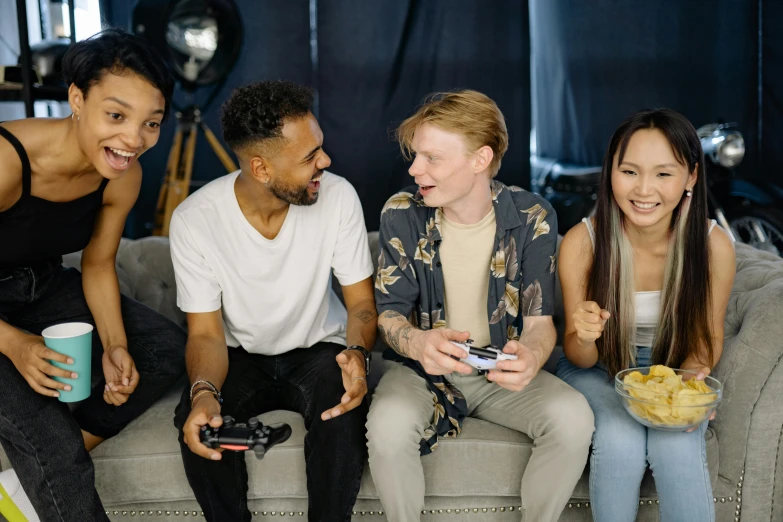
(40, 435)
(308, 381)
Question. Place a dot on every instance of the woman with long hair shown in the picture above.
(68, 185)
(645, 281)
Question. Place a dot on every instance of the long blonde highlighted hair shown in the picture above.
(684, 327)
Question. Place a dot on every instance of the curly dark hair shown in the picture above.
(258, 111)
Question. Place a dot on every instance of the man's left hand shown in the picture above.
(354, 380)
(120, 373)
(515, 375)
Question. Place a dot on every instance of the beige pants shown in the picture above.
(550, 412)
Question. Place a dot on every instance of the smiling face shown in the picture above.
(650, 182)
(442, 166)
(118, 121)
(294, 173)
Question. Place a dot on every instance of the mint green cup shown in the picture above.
(75, 341)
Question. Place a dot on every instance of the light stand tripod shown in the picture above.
(179, 168)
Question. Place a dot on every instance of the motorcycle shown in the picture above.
(749, 210)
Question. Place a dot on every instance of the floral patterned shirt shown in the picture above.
(410, 280)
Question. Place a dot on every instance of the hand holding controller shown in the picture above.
(243, 437)
(484, 359)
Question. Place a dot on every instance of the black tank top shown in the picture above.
(35, 229)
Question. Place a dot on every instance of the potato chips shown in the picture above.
(663, 398)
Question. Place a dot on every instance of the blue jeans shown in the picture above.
(40, 435)
(623, 448)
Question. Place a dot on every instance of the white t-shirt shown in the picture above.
(276, 295)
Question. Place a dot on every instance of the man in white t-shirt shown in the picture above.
(253, 253)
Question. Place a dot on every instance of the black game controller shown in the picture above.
(243, 437)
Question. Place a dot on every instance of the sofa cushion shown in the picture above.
(143, 463)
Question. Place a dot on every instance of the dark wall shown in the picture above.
(596, 63)
(377, 61)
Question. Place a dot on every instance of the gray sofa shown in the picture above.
(139, 473)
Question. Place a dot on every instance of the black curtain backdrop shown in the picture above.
(593, 64)
(379, 59)
(596, 63)
(772, 90)
(376, 61)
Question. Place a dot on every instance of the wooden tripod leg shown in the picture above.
(178, 191)
(220, 152)
(187, 175)
(172, 166)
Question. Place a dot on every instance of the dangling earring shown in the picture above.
(77, 117)
(689, 193)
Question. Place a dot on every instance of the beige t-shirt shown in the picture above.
(466, 254)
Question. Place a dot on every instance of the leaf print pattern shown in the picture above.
(512, 266)
(498, 264)
(552, 262)
(449, 391)
(504, 262)
(512, 333)
(537, 213)
(499, 313)
(424, 321)
(532, 299)
(440, 411)
(385, 276)
(399, 201)
(396, 244)
(509, 304)
(433, 229)
(497, 188)
(422, 254)
(427, 322)
(511, 298)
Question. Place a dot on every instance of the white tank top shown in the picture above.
(647, 304)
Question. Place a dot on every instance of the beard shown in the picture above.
(293, 194)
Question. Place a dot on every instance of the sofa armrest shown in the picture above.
(750, 418)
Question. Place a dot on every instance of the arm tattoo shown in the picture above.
(397, 335)
(365, 316)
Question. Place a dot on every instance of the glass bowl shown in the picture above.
(657, 407)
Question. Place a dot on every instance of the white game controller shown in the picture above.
(484, 359)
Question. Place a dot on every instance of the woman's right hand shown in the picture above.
(589, 321)
(31, 357)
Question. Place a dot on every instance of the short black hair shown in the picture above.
(257, 112)
(115, 51)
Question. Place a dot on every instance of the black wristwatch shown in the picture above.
(367, 356)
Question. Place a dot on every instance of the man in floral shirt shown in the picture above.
(466, 257)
